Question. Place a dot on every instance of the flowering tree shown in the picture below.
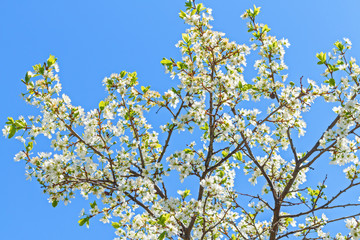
(114, 153)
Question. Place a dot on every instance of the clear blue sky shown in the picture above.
(93, 39)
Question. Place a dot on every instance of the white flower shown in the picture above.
(108, 114)
(19, 156)
(56, 67)
(343, 66)
(66, 99)
(6, 130)
(347, 41)
(20, 138)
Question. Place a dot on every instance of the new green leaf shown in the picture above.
(116, 225)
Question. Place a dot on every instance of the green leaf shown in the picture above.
(182, 14)
(188, 4)
(83, 221)
(205, 127)
(322, 57)
(266, 29)
(163, 219)
(42, 70)
(127, 116)
(122, 74)
(166, 62)
(37, 68)
(10, 120)
(198, 7)
(256, 11)
(339, 46)
(93, 204)
(175, 91)
(238, 156)
(288, 221)
(181, 65)
(310, 87)
(116, 225)
(133, 77)
(339, 62)
(332, 82)
(102, 105)
(246, 87)
(27, 77)
(162, 236)
(29, 146)
(145, 89)
(157, 145)
(20, 124)
(188, 150)
(51, 60)
(224, 153)
(332, 68)
(54, 203)
(12, 131)
(186, 193)
(185, 37)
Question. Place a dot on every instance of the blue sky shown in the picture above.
(93, 39)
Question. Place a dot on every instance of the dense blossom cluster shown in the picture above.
(114, 153)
